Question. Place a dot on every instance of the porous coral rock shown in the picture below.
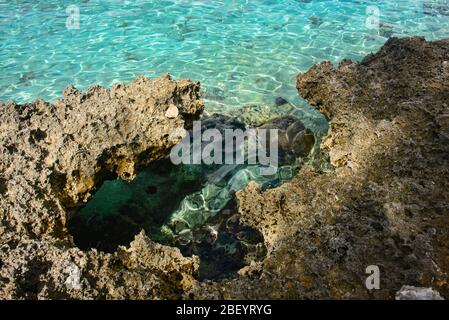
(386, 202)
(54, 156)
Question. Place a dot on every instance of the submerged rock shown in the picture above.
(435, 9)
(386, 29)
(279, 101)
(223, 245)
(315, 21)
(294, 140)
(257, 115)
(223, 180)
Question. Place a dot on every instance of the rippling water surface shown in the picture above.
(242, 51)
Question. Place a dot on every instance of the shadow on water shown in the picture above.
(192, 207)
(120, 210)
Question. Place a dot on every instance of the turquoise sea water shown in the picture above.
(242, 51)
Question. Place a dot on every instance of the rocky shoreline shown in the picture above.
(54, 157)
(385, 203)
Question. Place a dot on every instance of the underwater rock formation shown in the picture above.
(190, 206)
(386, 202)
(257, 115)
(203, 212)
(223, 180)
(54, 156)
(435, 9)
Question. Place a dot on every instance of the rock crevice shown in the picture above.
(386, 202)
(54, 157)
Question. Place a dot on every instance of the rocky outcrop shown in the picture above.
(54, 156)
(386, 201)
(42, 269)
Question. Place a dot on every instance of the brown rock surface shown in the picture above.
(53, 157)
(387, 201)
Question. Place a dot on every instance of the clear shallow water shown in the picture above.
(242, 51)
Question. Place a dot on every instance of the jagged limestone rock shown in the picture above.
(386, 202)
(54, 156)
